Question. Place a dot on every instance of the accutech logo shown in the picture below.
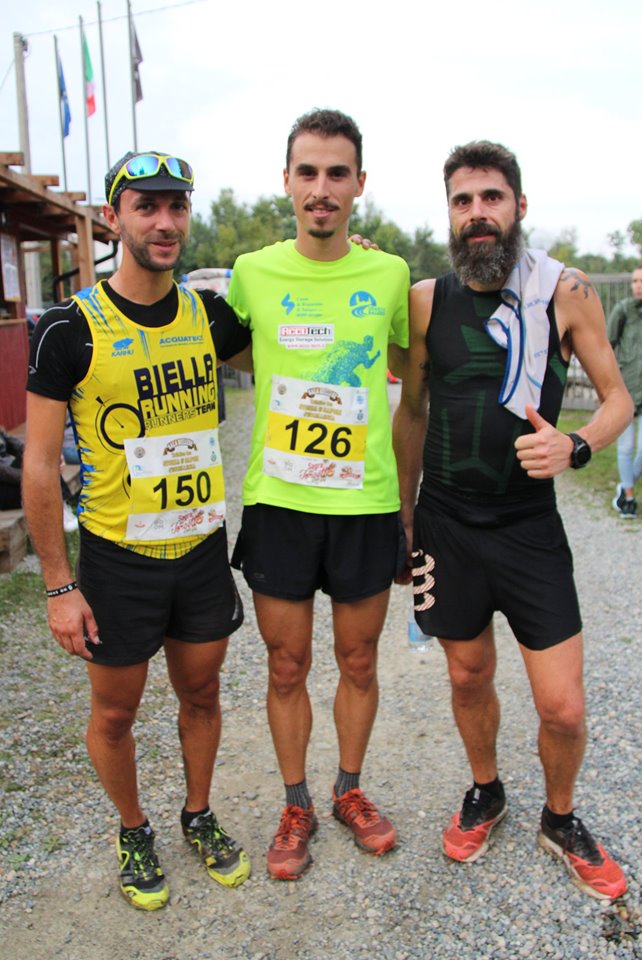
(363, 304)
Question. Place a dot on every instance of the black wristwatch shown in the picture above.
(581, 452)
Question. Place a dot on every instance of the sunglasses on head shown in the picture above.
(147, 165)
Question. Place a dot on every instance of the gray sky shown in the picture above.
(557, 82)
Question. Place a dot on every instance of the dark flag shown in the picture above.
(137, 59)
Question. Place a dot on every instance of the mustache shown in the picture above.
(324, 204)
(480, 229)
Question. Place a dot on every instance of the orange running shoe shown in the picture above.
(588, 863)
(372, 832)
(466, 837)
(288, 856)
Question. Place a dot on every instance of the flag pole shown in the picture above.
(20, 49)
(61, 113)
(85, 109)
(102, 71)
(131, 71)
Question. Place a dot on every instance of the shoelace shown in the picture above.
(355, 804)
(213, 834)
(476, 803)
(143, 861)
(579, 842)
(294, 825)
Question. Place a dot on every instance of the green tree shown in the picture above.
(634, 231)
(233, 228)
(424, 256)
(428, 258)
(617, 241)
(564, 247)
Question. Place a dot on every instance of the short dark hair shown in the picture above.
(483, 153)
(326, 123)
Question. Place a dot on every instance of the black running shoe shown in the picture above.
(628, 509)
(142, 881)
(226, 861)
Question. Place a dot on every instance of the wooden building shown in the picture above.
(33, 213)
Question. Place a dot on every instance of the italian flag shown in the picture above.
(90, 97)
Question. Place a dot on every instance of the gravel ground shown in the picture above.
(58, 890)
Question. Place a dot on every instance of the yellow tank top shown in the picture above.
(147, 420)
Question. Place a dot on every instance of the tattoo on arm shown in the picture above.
(577, 282)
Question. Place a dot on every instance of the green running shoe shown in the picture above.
(225, 860)
(142, 881)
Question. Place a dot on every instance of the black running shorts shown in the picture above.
(138, 601)
(523, 569)
(290, 554)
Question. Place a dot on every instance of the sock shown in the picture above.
(495, 788)
(346, 781)
(556, 820)
(297, 795)
(188, 815)
(144, 824)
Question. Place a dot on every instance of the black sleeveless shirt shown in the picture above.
(471, 470)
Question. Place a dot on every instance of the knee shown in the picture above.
(359, 666)
(201, 695)
(564, 717)
(470, 677)
(113, 723)
(287, 671)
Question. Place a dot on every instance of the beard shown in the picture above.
(140, 253)
(321, 234)
(485, 263)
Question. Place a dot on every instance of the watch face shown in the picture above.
(581, 451)
(583, 454)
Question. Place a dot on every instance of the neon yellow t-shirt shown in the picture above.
(146, 415)
(322, 440)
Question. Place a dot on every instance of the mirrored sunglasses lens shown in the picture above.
(179, 168)
(143, 166)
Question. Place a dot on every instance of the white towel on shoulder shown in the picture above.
(521, 326)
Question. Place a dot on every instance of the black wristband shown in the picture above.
(68, 587)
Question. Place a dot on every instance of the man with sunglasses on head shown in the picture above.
(320, 495)
(134, 358)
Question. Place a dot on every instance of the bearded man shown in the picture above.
(490, 345)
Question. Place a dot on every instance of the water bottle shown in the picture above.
(417, 641)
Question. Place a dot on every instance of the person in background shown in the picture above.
(11, 457)
(625, 336)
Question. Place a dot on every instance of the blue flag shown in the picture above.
(62, 90)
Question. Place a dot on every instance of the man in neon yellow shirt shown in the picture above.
(320, 497)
